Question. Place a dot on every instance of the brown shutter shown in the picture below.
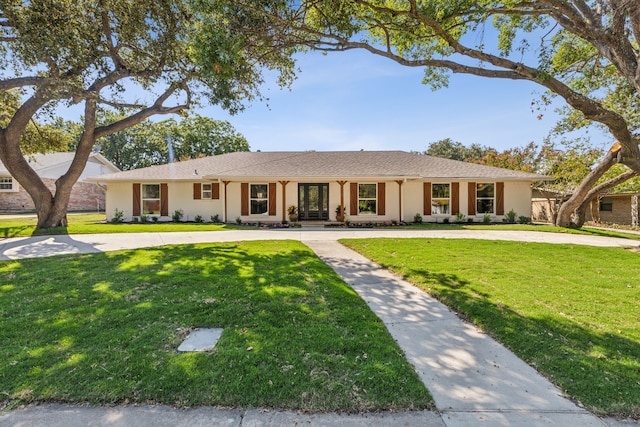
(499, 198)
(455, 198)
(136, 199)
(426, 193)
(472, 198)
(382, 208)
(353, 196)
(353, 202)
(197, 191)
(272, 198)
(215, 190)
(164, 200)
(244, 198)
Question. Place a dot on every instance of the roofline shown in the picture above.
(104, 160)
(317, 178)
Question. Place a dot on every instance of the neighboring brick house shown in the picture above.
(84, 196)
(620, 208)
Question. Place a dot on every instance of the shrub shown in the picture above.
(470, 220)
(238, 220)
(460, 217)
(486, 218)
(524, 219)
(144, 218)
(155, 218)
(215, 219)
(417, 218)
(445, 221)
(177, 215)
(118, 216)
(510, 217)
(198, 219)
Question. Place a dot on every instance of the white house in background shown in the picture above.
(84, 195)
(373, 186)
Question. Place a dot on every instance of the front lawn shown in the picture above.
(570, 311)
(95, 224)
(104, 329)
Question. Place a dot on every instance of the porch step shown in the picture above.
(315, 224)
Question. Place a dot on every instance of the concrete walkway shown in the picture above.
(474, 380)
(29, 247)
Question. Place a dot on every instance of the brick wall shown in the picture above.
(620, 211)
(84, 197)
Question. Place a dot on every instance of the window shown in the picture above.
(367, 199)
(259, 199)
(206, 191)
(606, 204)
(151, 199)
(440, 199)
(6, 184)
(485, 198)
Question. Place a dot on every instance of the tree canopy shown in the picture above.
(146, 144)
(125, 57)
(454, 150)
(584, 51)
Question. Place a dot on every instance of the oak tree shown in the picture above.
(586, 52)
(137, 59)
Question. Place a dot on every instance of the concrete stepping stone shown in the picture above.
(201, 340)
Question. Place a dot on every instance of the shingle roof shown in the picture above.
(39, 162)
(319, 164)
(43, 161)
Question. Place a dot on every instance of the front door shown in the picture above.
(313, 202)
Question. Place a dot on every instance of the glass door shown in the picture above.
(313, 202)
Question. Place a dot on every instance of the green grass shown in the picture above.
(570, 311)
(95, 224)
(104, 329)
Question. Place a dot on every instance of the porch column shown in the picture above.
(342, 183)
(224, 219)
(284, 199)
(400, 182)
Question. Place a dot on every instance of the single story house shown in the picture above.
(607, 208)
(84, 195)
(372, 186)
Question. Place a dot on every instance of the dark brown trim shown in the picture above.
(499, 198)
(215, 190)
(382, 199)
(426, 192)
(455, 198)
(164, 199)
(353, 196)
(244, 198)
(272, 198)
(284, 199)
(136, 199)
(471, 190)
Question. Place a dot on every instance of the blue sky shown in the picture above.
(355, 100)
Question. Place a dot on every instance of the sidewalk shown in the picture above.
(474, 380)
(29, 247)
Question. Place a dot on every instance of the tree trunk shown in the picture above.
(53, 213)
(572, 212)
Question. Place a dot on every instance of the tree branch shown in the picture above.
(155, 109)
(106, 29)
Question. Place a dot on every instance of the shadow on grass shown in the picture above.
(601, 369)
(104, 328)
